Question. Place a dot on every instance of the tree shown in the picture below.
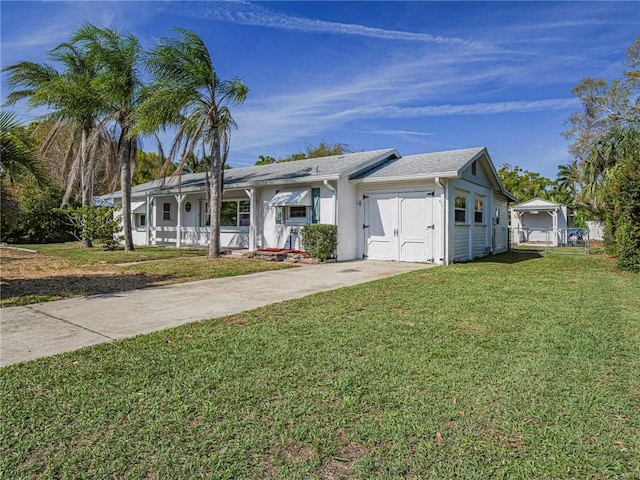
(569, 177)
(188, 93)
(324, 149)
(606, 108)
(17, 150)
(148, 166)
(117, 56)
(268, 160)
(621, 197)
(523, 184)
(74, 108)
(606, 145)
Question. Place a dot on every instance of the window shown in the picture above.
(141, 220)
(244, 213)
(461, 209)
(474, 168)
(187, 207)
(478, 209)
(166, 211)
(297, 212)
(235, 214)
(229, 214)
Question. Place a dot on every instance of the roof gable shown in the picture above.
(538, 203)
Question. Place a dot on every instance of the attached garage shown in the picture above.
(439, 207)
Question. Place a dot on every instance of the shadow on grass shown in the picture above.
(512, 257)
(72, 285)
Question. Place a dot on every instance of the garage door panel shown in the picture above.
(415, 232)
(399, 227)
(379, 221)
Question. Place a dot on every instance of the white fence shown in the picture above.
(551, 240)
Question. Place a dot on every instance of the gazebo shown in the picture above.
(540, 222)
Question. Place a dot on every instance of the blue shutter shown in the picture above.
(315, 205)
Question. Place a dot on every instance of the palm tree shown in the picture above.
(188, 93)
(73, 103)
(569, 177)
(117, 56)
(17, 150)
(74, 110)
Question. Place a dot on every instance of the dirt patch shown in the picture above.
(25, 274)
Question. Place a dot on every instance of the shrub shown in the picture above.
(96, 224)
(30, 214)
(320, 241)
(628, 246)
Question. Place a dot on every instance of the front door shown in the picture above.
(399, 226)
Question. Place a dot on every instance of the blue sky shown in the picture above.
(416, 76)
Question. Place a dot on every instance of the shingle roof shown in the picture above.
(425, 165)
(300, 171)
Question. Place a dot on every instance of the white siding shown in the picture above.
(479, 240)
(470, 240)
(501, 223)
(461, 243)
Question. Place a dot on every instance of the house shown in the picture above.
(540, 222)
(437, 207)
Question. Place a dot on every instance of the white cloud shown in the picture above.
(401, 132)
(246, 13)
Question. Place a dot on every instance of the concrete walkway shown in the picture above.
(45, 329)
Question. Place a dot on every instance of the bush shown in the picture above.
(628, 246)
(96, 224)
(320, 241)
(30, 214)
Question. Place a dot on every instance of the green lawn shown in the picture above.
(517, 367)
(77, 255)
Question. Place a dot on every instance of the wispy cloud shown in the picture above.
(246, 13)
(400, 132)
(490, 108)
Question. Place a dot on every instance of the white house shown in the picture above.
(437, 207)
(539, 221)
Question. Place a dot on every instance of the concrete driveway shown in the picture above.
(45, 329)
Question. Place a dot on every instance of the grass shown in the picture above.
(66, 270)
(78, 256)
(518, 367)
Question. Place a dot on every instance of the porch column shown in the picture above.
(251, 193)
(179, 199)
(148, 222)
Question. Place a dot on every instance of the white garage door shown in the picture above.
(399, 226)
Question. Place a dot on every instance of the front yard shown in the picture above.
(66, 270)
(518, 367)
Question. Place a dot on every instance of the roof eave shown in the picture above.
(405, 178)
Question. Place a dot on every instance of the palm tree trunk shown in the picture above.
(215, 194)
(84, 180)
(126, 153)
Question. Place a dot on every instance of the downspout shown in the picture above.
(147, 226)
(252, 218)
(335, 206)
(445, 227)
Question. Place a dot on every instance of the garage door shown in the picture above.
(399, 226)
